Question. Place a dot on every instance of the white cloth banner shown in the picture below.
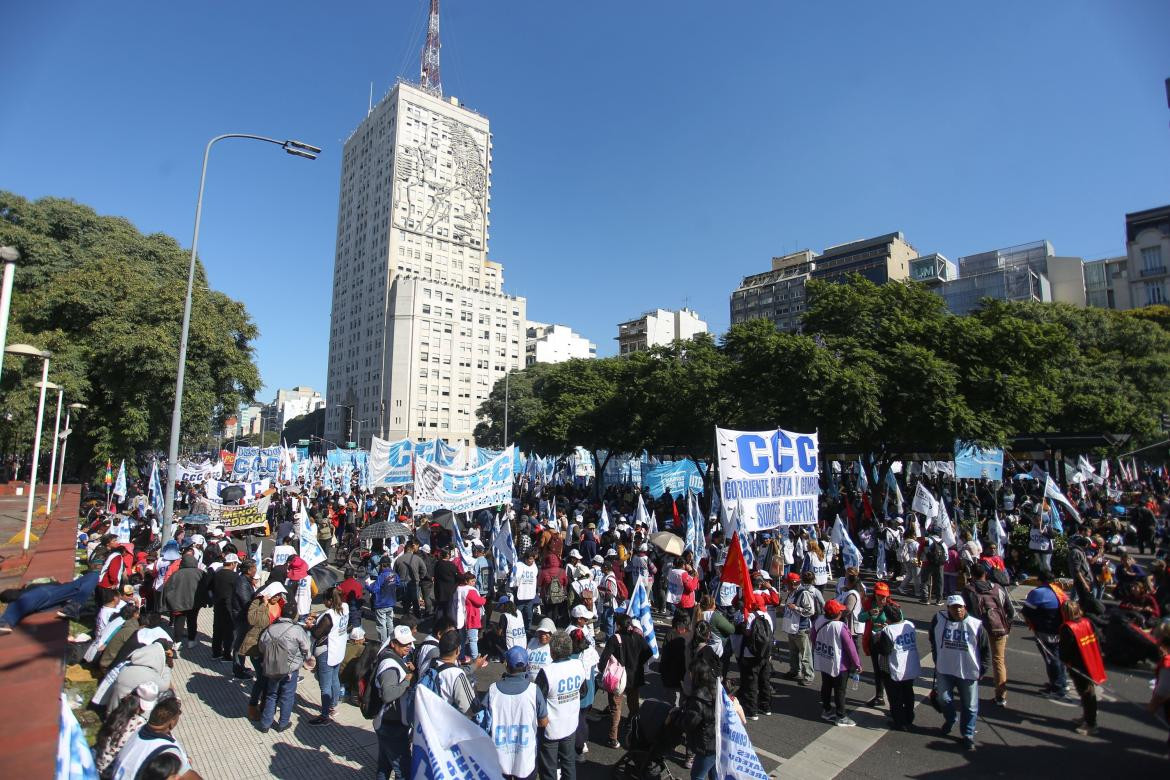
(735, 757)
(924, 502)
(390, 461)
(1053, 492)
(233, 517)
(447, 745)
(773, 475)
(439, 487)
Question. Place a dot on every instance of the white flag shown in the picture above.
(924, 502)
(945, 528)
(311, 550)
(119, 491)
(449, 746)
(603, 521)
(735, 757)
(640, 515)
(1053, 492)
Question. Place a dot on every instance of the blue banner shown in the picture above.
(678, 477)
(437, 487)
(971, 462)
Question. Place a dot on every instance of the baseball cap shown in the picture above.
(546, 626)
(580, 611)
(516, 658)
(598, 559)
(611, 553)
(955, 600)
(403, 635)
(881, 589)
(575, 554)
(357, 634)
(764, 575)
(833, 608)
(425, 548)
(793, 577)
(231, 558)
(147, 696)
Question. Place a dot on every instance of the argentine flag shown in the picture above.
(638, 609)
(603, 521)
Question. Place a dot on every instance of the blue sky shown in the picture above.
(645, 153)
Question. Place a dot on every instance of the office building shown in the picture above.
(421, 327)
(778, 294)
(1106, 283)
(1147, 246)
(658, 327)
(1027, 272)
(880, 259)
(555, 344)
(290, 403)
(933, 270)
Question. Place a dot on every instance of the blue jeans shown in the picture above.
(282, 691)
(607, 623)
(471, 645)
(330, 685)
(393, 751)
(525, 608)
(42, 597)
(259, 685)
(384, 617)
(703, 768)
(968, 699)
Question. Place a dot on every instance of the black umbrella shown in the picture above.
(445, 518)
(231, 494)
(196, 519)
(384, 530)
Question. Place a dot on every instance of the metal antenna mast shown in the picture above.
(430, 80)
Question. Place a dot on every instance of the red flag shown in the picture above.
(866, 506)
(850, 515)
(735, 572)
(674, 511)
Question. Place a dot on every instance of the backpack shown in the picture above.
(276, 650)
(613, 677)
(623, 590)
(936, 554)
(369, 695)
(759, 638)
(556, 592)
(991, 613)
(1000, 577)
(430, 679)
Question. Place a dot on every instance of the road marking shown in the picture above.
(773, 756)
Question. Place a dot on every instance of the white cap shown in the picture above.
(198, 539)
(147, 696)
(231, 558)
(643, 547)
(955, 600)
(545, 626)
(575, 554)
(425, 548)
(357, 634)
(598, 559)
(215, 532)
(580, 611)
(403, 635)
(765, 575)
(611, 553)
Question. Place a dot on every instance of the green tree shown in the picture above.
(524, 404)
(107, 300)
(304, 426)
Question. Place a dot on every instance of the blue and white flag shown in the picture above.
(997, 533)
(735, 758)
(695, 541)
(449, 746)
(457, 537)
(503, 545)
(638, 608)
(311, 550)
(850, 555)
(862, 482)
(74, 758)
(653, 523)
(731, 527)
(1051, 491)
(119, 491)
(603, 521)
(641, 517)
(157, 497)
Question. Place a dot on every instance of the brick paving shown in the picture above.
(222, 743)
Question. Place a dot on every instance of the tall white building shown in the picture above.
(660, 326)
(290, 403)
(421, 327)
(555, 344)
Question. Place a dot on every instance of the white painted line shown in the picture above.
(773, 756)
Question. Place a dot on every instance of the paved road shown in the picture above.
(1032, 736)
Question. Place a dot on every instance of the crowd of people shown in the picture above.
(434, 607)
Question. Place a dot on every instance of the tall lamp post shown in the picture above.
(9, 256)
(65, 443)
(295, 148)
(53, 458)
(30, 351)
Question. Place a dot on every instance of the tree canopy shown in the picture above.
(107, 301)
(880, 369)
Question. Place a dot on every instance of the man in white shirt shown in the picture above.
(562, 682)
(524, 581)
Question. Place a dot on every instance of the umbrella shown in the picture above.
(197, 520)
(231, 494)
(445, 518)
(384, 530)
(669, 543)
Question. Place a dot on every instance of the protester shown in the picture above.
(897, 646)
(835, 657)
(1042, 611)
(122, 723)
(994, 608)
(1080, 651)
(152, 742)
(755, 661)
(391, 677)
(960, 648)
(699, 722)
(329, 631)
(383, 591)
(284, 648)
(518, 709)
(631, 652)
(562, 683)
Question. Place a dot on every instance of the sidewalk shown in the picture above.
(32, 656)
(224, 745)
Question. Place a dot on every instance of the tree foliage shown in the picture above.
(879, 369)
(107, 301)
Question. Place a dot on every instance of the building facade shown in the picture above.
(880, 259)
(1107, 283)
(778, 294)
(1147, 245)
(421, 327)
(290, 403)
(555, 344)
(658, 327)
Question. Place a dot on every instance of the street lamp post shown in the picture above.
(30, 351)
(9, 256)
(53, 458)
(295, 148)
(507, 375)
(65, 443)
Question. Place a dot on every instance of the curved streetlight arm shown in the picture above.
(292, 147)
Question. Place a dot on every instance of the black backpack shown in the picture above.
(936, 554)
(370, 695)
(759, 638)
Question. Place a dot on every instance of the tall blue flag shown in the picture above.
(638, 609)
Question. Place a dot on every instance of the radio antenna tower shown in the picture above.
(430, 80)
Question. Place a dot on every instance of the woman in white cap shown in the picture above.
(122, 723)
